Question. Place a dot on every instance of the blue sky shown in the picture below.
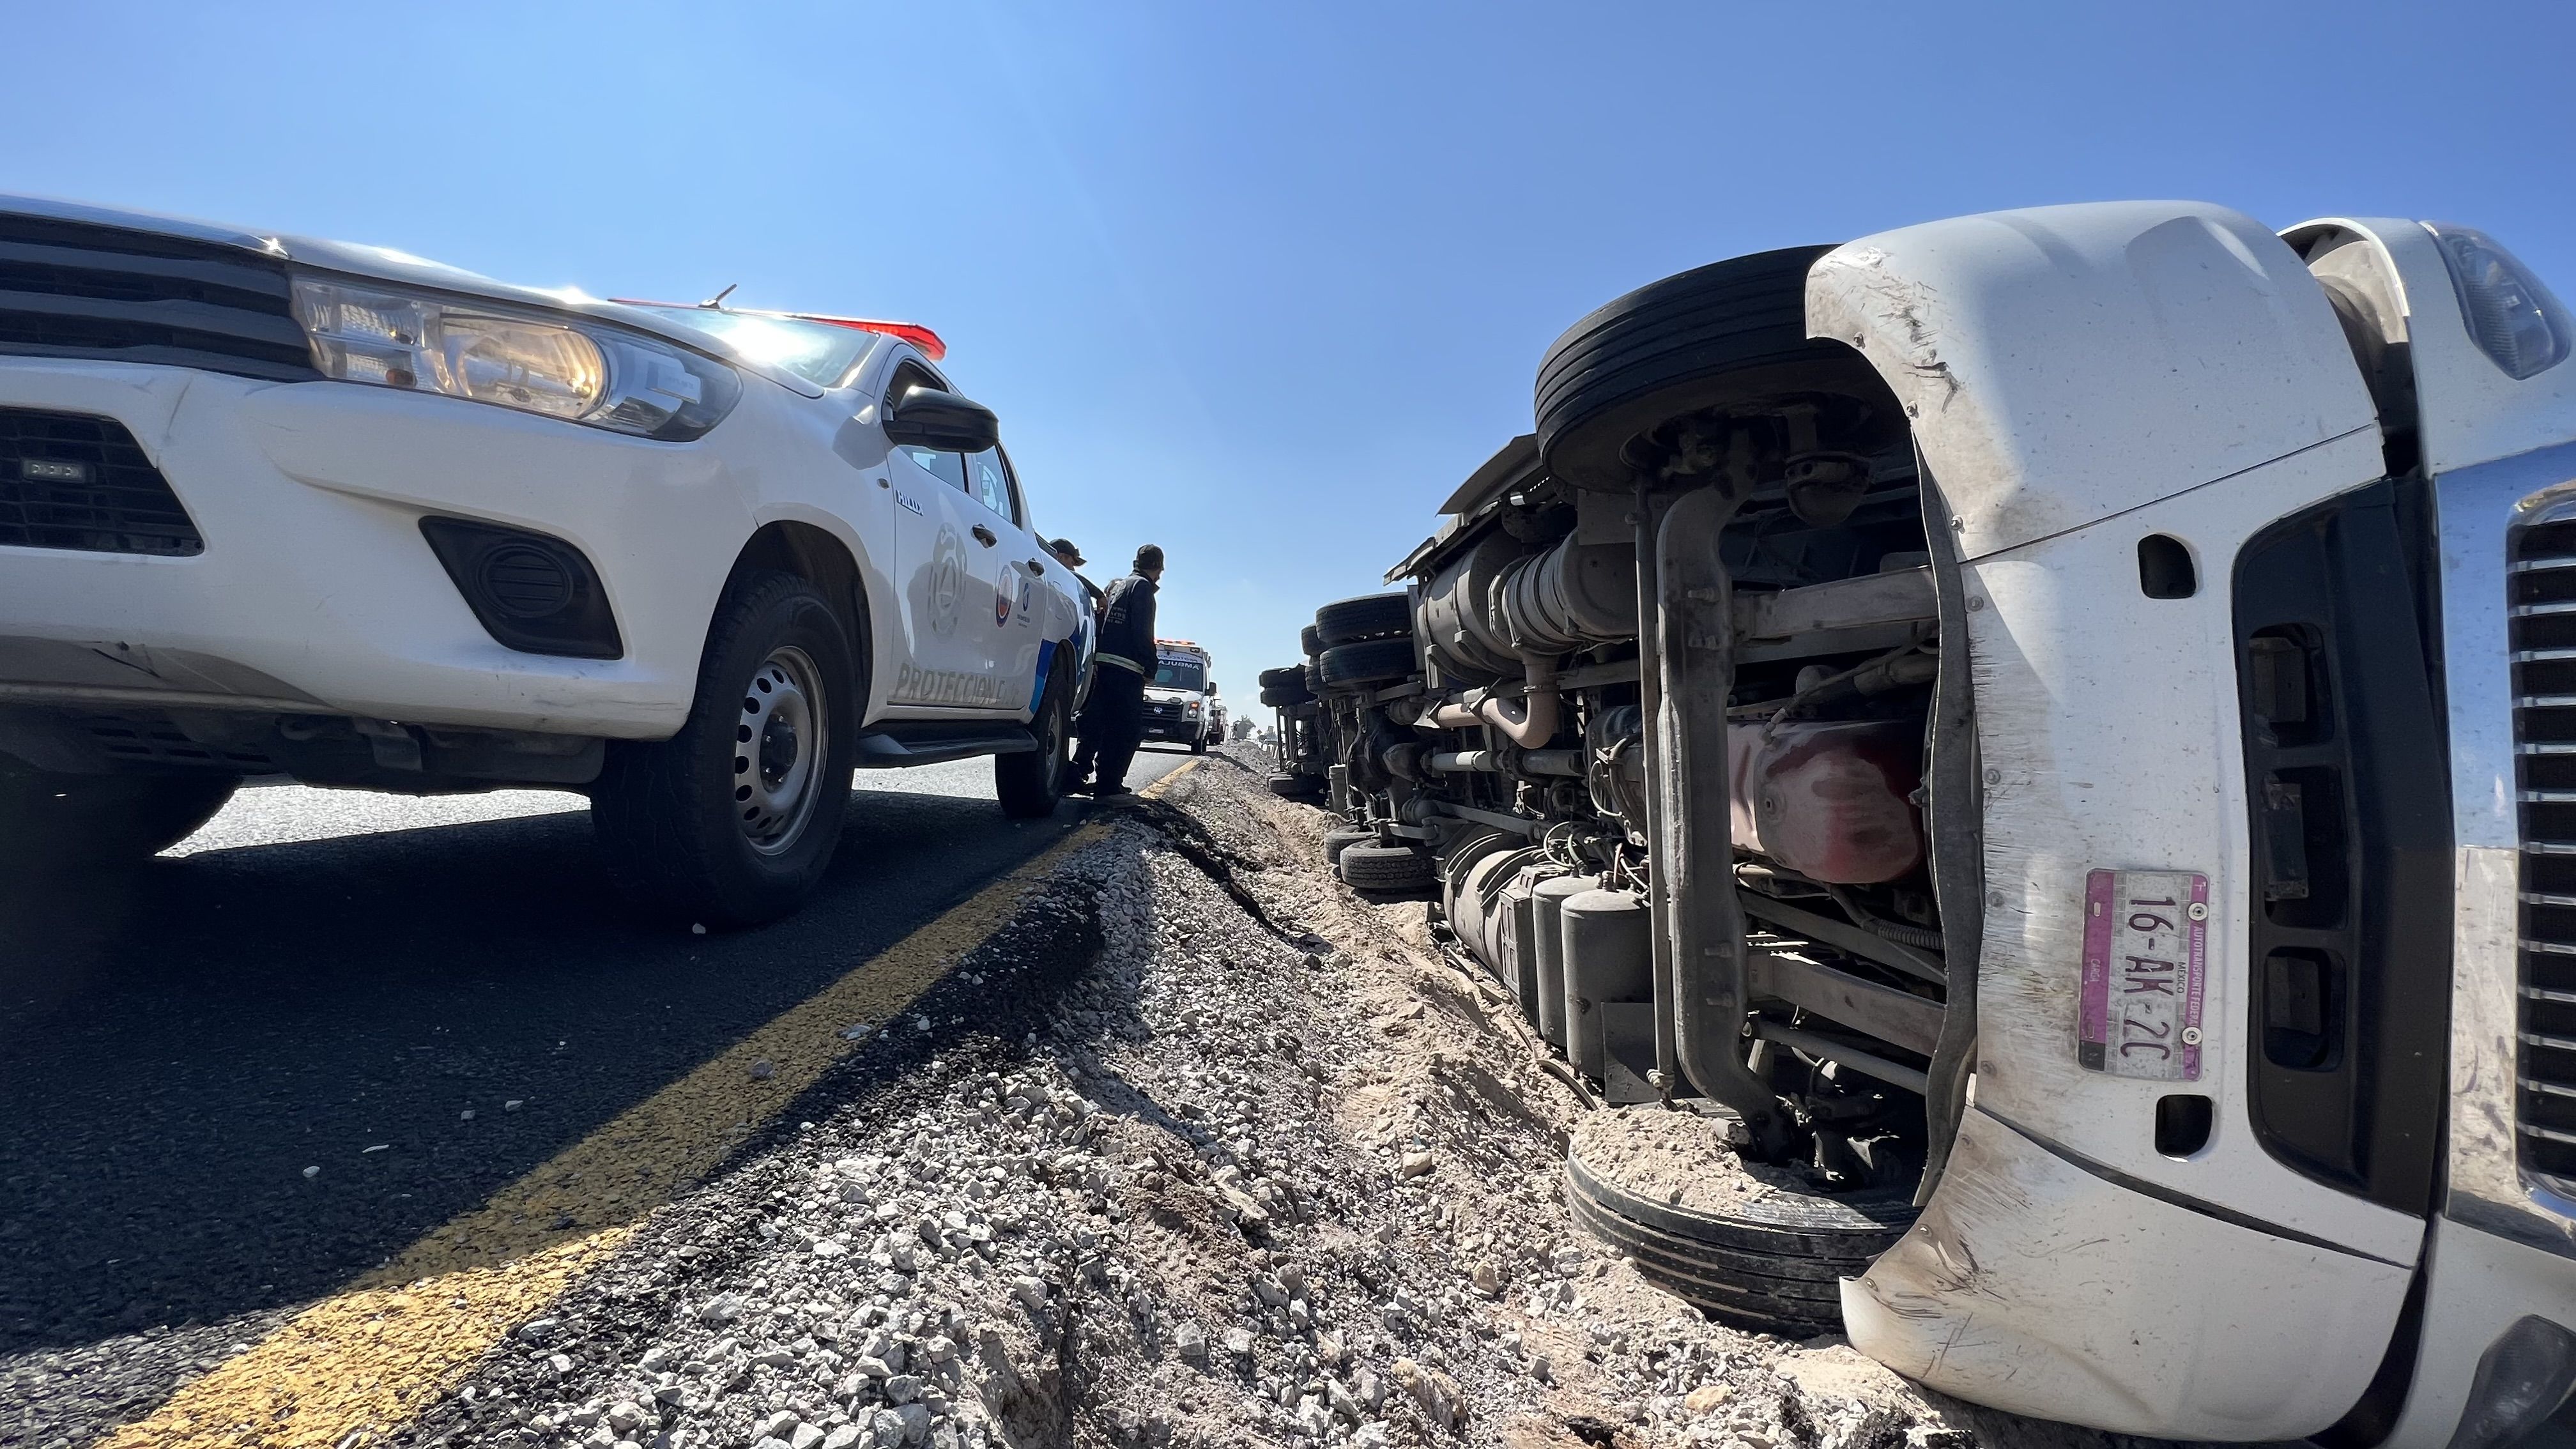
(1260, 283)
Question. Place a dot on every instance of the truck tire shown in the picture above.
(1370, 616)
(1729, 332)
(1337, 841)
(93, 820)
(1388, 868)
(1283, 696)
(732, 821)
(1284, 677)
(1774, 1261)
(1289, 787)
(1310, 641)
(1030, 784)
(1371, 661)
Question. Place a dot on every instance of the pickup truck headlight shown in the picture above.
(555, 366)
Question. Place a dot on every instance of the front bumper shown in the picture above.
(316, 591)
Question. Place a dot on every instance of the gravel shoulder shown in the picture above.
(1200, 1149)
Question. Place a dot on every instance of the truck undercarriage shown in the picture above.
(1966, 707)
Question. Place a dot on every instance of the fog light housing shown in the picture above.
(531, 592)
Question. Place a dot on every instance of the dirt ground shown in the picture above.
(1202, 1149)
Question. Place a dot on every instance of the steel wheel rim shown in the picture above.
(778, 745)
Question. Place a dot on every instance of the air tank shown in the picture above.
(1547, 927)
(1516, 940)
(1609, 964)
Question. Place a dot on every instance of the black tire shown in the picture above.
(1729, 332)
(1285, 677)
(1370, 616)
(1371, 661)
(1293, 787)
(1199, 743)
(1773, 1262)
(1283, 696)
(92, 820)
(686, 824)
(1367, 866)
(1337, 841)
(1314, 680)
(1310, 641)
(1030, 784)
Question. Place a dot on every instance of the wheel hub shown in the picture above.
(778, 747)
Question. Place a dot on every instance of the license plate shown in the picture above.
(2146, 946)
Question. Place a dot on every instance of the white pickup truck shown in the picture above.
(2062, 723)
(278, 506)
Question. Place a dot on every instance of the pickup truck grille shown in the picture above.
(2540, 586)
(76, 289)
(72, 481)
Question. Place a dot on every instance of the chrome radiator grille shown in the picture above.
(2541, 594)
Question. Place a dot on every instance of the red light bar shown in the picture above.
(912, 332)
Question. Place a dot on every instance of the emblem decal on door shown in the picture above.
(947, 581)
(1001, 603)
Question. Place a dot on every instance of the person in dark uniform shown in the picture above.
(1113, 720)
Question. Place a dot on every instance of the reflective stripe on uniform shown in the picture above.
(1121, 660)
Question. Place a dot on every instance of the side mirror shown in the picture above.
(929, 418)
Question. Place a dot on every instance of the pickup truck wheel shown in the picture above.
(1728, 333)
(48, 819)
(1773, 1261)
(1370, 616)
(1389, 868)
(1030, 784)
(1371, 661)
(733, 820)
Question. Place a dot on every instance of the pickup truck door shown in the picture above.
(1012, 562)
(947, 612)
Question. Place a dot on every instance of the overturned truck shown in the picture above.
(2056, 732)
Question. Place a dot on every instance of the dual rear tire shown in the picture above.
(1386, 869)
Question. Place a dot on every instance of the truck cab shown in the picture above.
(2055, 724)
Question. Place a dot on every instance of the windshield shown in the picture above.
(1174, 673)
(818, 352)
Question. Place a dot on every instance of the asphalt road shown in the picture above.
(421, 998)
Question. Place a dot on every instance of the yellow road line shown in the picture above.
(370, 1358)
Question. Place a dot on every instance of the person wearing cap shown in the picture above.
(1071, 557)
(1113, 721)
